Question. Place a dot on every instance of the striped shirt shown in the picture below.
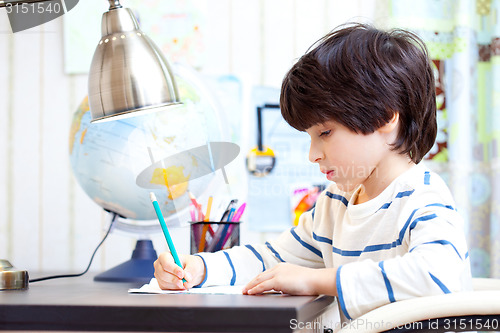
(406, 242)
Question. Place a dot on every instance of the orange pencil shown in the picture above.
(209, 206)
(206, 226)
(203, 239)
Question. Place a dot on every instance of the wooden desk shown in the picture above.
(80, 304)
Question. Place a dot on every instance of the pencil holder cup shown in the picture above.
(214, 236)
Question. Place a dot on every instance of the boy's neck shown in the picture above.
(383, 175)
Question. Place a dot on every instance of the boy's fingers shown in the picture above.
(260, 288)
(170, 274)
(168, 264)
(166, 260)
(167, 280)
(249, 286)
(188, 285)
(165, 276)
(167, 273)
(180, 285)
(264, 276)
(163, 271)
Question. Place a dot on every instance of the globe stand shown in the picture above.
(138, 269)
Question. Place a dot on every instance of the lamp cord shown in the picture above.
(113, 219)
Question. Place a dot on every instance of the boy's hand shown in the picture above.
(294, 280)
(169, 275)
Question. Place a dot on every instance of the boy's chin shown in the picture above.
(346, 187)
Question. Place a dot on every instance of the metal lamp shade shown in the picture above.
(128, 72)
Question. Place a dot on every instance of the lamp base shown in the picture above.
(11, 278)
(138, 269)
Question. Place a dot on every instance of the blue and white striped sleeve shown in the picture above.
(235, 266)
(436, 262)
(242, 263)
(297, 245)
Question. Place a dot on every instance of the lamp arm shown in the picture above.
(114, 4)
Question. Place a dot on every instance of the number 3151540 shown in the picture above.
(34, 8)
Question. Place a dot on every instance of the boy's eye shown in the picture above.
(325, 133)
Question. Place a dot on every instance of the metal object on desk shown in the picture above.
(128, 73)
(11, 278)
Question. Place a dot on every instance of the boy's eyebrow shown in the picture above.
(319, 125)
(328, 124)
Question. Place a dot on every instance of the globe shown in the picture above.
(118, 163)
(107, 158)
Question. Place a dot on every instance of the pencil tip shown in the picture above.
(152, 196)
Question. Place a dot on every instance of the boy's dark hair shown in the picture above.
(359, 77)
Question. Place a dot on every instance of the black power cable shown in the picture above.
(113, 219)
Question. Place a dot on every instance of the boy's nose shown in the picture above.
(315, 154)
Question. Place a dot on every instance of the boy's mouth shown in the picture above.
(329, 173)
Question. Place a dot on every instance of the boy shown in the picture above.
(387, 228)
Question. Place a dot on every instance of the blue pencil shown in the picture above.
(165, 231)
(220, 243)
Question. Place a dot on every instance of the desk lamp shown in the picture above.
(129, 76)
(128, 73)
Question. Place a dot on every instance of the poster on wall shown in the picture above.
(278, 196)
(176, 26)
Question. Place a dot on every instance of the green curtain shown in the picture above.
(463, 38)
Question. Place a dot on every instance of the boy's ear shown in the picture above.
(391, 125)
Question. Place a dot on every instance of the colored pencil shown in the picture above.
(209, 207)
(165, 231)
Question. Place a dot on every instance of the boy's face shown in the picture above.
(347, 158)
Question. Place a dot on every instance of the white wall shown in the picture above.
(47, 223)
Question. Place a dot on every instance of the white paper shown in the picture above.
(153, 288)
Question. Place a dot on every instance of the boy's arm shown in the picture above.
(437, 263)
(242, 263)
